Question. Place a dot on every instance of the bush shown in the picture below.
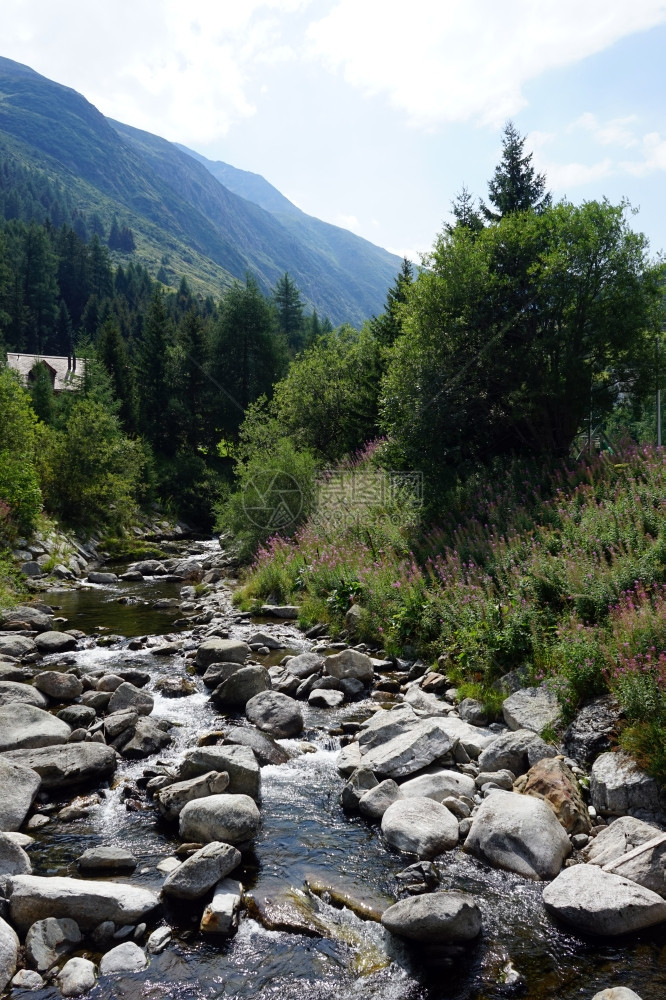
(20, 492)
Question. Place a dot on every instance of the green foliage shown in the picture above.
(387, 328)
(19, 490)
(515, 186)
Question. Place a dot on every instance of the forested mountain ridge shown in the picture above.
(184, 220)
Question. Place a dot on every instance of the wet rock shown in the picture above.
(9, 946)
(590, 733)
(59, 686)
(618, 787)
(348, 759)
(351, 688)
(221, 914)
(598, 902)
(66, 765)
(14, 692)
(175, 687)
(374, 802)
(107, 859)
(290, 910)
(158, 940)
(516, 751)
(323, 698)
(120, 722)
(409, 752)
(13, 859)
(238, 762)
(104, 579)
(26, 726)
(551, 780)
(76, 977)
(25, 616)
(78, 716)
(418, 878)
(109, 682)
(218, 673)
(233, 819)
(419, 826)
(616, 993)
(34, 897)
(349, 663)
(265, 639)
(28, 979)
(519, 833)
(171, 800)
(103, 933)
(360, 781)
(55, 642)
(305, 665)
(148, 738)
(438, 783)
(221, 650)
(275, 713)
(48, 940)
(620, 838)
(201, 871)
(435, 918)
(17, 646)
(125, 957)
(128, 696)
(139, 678)
(265, 749)
(532, 708)
(97, 700)
(244, 684)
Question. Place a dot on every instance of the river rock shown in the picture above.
(618, 787)
(218, 673)
(34, 897)
(621, 837)
(598, 902)
(120, 722)
(551, 780)
(28, 979)
(221, 650)
(106, 859)
(616, 993)
(221, 914)
(233, 819)
(532, 708)
(265, 639)
(18, 787)
(238, 762)
(11, 671)
(515, 751)
(439, 783)
(473, 739)
(374, 802)
(435, 918)
(158, 940)
(13, 859)
(55, 642)
(26, 726)
(384, 725)
(148, 737)
(201, 871)
(170, 800)
(409, 752)
(59, 686)
(76, 977)
(9, 946)
(174, 687)
(65, 765)
(109, 682)
(14, 692)
(349, 663)
(236, 691)
(325, 698)
(420, 826)
(17, 646)
(104, 579)
(78, 716)
(304, 665)
(26, 617)
(348, 759)
(519, 833)
(48, 940)
(128, 696)
(125, 957)
(360, 781)
(425, 704)
(264, 747)
(590, 732)
(275, 713)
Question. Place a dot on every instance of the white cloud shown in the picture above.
(654, 156)
(616, 132)
(455, 60)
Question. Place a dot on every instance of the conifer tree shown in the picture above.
(289, 312)
(388, 327)
(515, 186)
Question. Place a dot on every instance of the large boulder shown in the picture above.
(598, 902)
(233, 819)
(125, 957)
(26, 726)
(374, 802)
(435, 918)
(55, 642)
(264, 747)
(473, 739)
(420, 826)
(614, 842)
(550, 779)
(25, 616)
(519, 833)
(16, 646)
(591, 731)
(239, 762)
(201, 871)
(34, 897)
(409, 752)
(349, 663)
(58, 685)
(13, 859)
(426, 704)
(50, 939)
(618, 787)
(9, 947)
(304, 665)
(439, 783)
(515, 751)
(172, 799)
(236, 691)
(18, 787)
(275, 713)
(221, 650)
(68, 764)
(221, 914)
(126, 696)
(148, 738)
(76, 977)
(14, 692)
(106, 859)
(532, 708)
(384, 725)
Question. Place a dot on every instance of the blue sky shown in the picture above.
(372, 113)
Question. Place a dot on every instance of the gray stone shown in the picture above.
(618, 787)
(32, 569)
(221, 914)
(590, 732)
(598, 902)
(129, 696)
(233, 819)
(217, 673)
(384, 725)
(323, 698)
(244, 684)
(108, 859)
(109, 682)
(616, 993)
(9, 946)
(360, 781)
(120, 722)
(48, 940)
(473, 739)
(374, 803)
(201, 871)
(265, 639)
(28, 979)
(55, 642)
(125, 957)
(27, 617)
(425, 704)
(17, 646)
(239, 762)
(13, 859)
(222, 650)
(59, 686)
(532, 708)
(515, 751)
(472, 711)
(14, 692)
(275, 713)
(409, 752)
(519, 833)
(264, 747)
(348, 759)
(104, 579)
(76, 977)
(287, 611)
(170, 800)
(158, 940)
(148, 738)
(78, 716)
(26, 726)
(435, 918)
(420, 826)
(502, 779)
(350, 663)
(438, 783)
(304, 665)
(70, 764)
(33, 897)
(620, 838)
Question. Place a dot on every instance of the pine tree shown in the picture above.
(40, 288)
(114, 236)
(151, 363)
(388, 327)
(515, 187)
(289, 312)
(63, 340)
(111, 352)
(464, 212)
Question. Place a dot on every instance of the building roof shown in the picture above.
(62, 374)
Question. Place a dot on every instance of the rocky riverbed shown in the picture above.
(194, 797)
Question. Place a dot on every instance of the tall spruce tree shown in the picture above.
(465, 213)
(151, 363)
(515, 186)
(289, 312)
(388, 327)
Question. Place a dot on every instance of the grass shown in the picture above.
(130, 550)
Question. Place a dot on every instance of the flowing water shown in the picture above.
(306, 835)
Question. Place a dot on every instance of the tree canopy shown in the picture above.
(515, 185)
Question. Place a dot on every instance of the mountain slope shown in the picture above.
(179, 211)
